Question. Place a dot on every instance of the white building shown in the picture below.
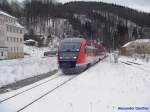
(11, 37)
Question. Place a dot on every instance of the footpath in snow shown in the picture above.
(105, 87)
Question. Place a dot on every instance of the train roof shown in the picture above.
(78, 40)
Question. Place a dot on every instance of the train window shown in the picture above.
(85, 50)
(69, 47)
(90, 49)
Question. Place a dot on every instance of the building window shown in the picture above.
(13, 29)
(7, 28)
(11, 49)
(11, 20)
(21, 40)
(17, 30)
(6, 19)
(20, 31)
(2, 53)
(10, 29)
(17, 49)
(7, 38)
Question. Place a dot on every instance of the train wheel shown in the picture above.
(88, 65)
(99, 60)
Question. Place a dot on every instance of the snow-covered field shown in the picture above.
(33, 65)
(103, 88)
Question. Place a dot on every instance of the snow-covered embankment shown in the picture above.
(19, 69)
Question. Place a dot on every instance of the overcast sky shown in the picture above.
(142, 5)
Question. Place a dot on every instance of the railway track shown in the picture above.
(22, 100)
(50, 91)
(12, 96)
(135, 65)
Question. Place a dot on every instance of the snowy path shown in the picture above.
(102, 88)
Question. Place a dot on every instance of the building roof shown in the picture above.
(6, 14)
(30, 40)
(127, 44)
(142, 40)
(18, 25)
(136, 41)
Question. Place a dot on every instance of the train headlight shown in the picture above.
(61, 57)
(74, 57)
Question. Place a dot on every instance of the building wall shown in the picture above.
(12, 38)
(2, 32)
(138, 46)
(3, 47)
(3, 53)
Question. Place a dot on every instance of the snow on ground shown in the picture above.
(18, 69)
(102, 88)
(144, 62)
(138, 59)
(99, 89)
(35, 51)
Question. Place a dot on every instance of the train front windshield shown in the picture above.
(70, 47)
(69, 50)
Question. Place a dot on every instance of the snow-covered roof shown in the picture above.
(142, 40)
(6, 14)
(137, 41)
(127, 44)
(18, 25)
(30, 40)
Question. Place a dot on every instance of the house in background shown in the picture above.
(139, 46)
(146, 32)
(11, 37)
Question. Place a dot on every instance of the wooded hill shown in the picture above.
(140, 18)
(62, 10)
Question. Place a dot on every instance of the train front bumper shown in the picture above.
(70, 67)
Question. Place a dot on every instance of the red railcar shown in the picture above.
(77, 54)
